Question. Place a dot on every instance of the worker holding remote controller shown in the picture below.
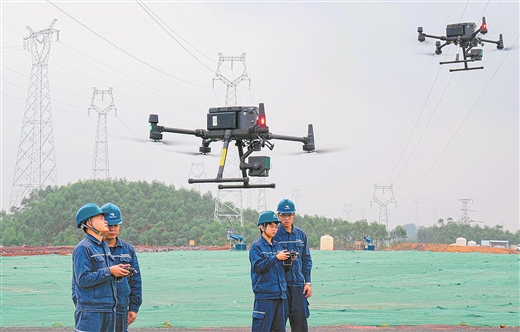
(129, 290)
(94, 274)
(297, 268)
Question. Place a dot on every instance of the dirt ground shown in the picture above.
(66, 250)
(451, 248)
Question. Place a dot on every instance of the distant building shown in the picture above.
(494, 243)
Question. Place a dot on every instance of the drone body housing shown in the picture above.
(462, 30)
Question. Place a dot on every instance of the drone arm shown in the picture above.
(431, 36)
(489, 41)
(196, 132)
(499, 42)
(304, 139)
(308, 141)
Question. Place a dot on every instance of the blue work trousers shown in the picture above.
(86, 321)
(298, 309)
(269, 315)
(121, 323)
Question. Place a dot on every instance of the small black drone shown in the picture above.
(247, 126)
(464, 35)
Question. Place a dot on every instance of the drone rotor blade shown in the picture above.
(146, 140)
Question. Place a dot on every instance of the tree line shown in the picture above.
(157, 214)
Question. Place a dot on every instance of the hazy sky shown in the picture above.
(375, 95)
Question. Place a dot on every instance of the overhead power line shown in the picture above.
(464, 120)
(155, 17)
(122, 50)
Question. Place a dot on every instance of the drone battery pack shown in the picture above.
(222, 120)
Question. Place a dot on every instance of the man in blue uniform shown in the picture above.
(129, 290)
(94, 274)
(267, 277)
(298, 272)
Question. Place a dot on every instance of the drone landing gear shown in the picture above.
(257, 166)
(474, 55)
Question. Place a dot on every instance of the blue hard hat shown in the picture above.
(113, 214)
(267, 217)
(286, 206)
(88, 210)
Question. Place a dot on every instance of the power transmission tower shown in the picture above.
(435, 216)
(100, 169)
(464, 218)
(262, 202)
(229, 201)
(197, 172)
(383, 200)
(296, 194)
(36, 162)
(363, 214)
(347, 209)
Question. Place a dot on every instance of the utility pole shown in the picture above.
(36, 161)
(383, 200)
(464, 218)
(228, 205)
(100, 169)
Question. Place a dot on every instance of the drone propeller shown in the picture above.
(146, 140)
(196, 154)
(425, 53)
(324, 151)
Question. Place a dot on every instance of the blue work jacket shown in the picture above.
(267, 273)
(93, 287)
(300, 272)
(129, 290)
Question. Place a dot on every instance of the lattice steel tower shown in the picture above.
(464, 217)
(36, 162)
(383, 200)
(347, 210)
(228, 205)
(100, 169)
(197, 172)
(296, 194)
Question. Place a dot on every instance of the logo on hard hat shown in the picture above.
(112, 215)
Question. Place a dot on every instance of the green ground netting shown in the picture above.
(213, 288)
